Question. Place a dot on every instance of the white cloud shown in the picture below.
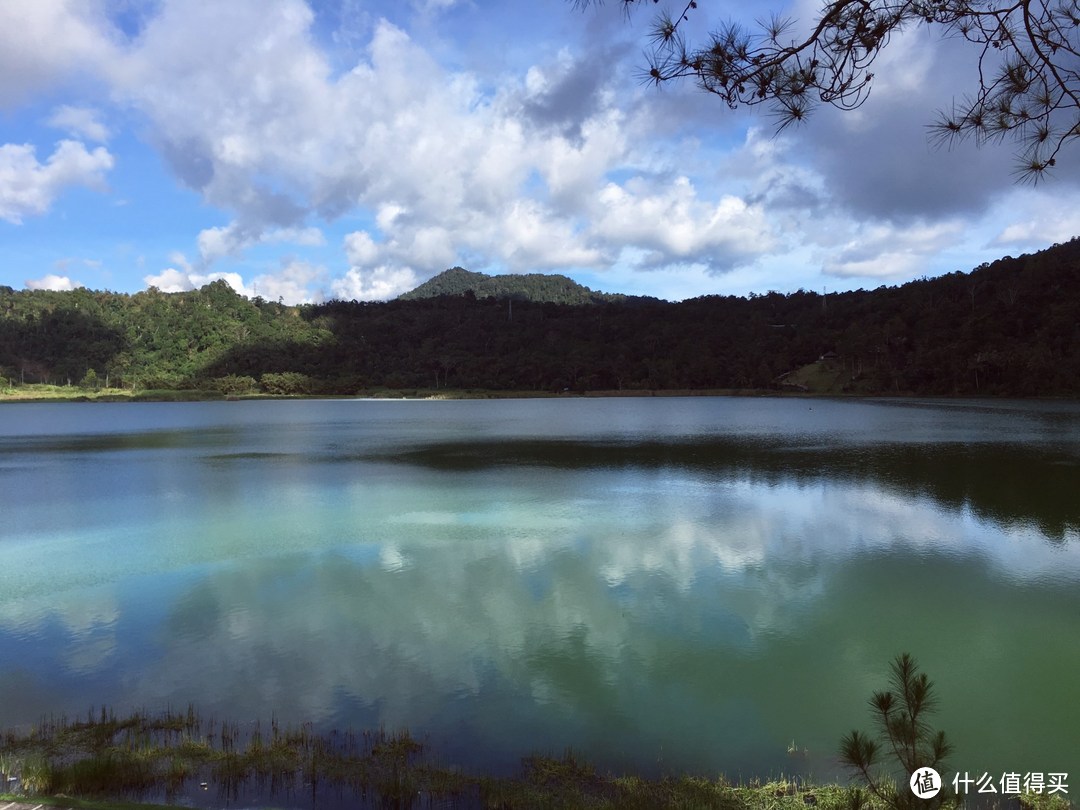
(885, 251)
(370, 277)
(292, 284)
(673, 224)
(234, 280)
(427, 246)
(52, 282)
(80, 122)
(361, 249)
(180, 260)
(244, 124)
(450, 170)
(234, 238)
(170, 280)
(215, 243)
(48, 41)
(1038, 220)
(520, 164)
(531, 238)
(374, 284)
(29, 188)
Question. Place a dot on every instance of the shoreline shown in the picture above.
(177, 759)
(51, 394)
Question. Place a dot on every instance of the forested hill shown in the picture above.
(538, 287)
(1008, 328)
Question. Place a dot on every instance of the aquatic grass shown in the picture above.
(73, 803)
(569, 782)
(35, 774)
(110, 773)
(108, 757)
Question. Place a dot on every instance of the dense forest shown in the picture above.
(1007, 328)
(541, 287)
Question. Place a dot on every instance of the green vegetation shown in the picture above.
(39, 392)
(110, 762)
(82, 804)
(142, 755)
(549, 288)
(106, 757)
(1011, 328)
(902, 732)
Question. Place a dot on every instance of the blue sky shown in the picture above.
(307, 150)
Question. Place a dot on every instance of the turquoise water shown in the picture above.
(662, 584)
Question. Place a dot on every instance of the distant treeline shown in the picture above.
(1007, 328)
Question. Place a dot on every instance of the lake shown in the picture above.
(662, 584)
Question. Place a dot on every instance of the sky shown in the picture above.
(307, 150)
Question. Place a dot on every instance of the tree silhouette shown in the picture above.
(1027, 54)
(904, 736)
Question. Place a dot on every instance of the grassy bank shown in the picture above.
(108, 761)
(73, 393)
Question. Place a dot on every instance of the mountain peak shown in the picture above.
(539, 287)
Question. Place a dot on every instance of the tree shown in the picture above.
(1027, 54)
(903, 732)
(90, 380)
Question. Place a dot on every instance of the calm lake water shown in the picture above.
(666, 585)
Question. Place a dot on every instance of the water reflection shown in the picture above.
(1012, 485)
(667, 604)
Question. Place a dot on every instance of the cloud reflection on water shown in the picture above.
(699, 601)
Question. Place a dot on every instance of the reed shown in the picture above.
(159, 756)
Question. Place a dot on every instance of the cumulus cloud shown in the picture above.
(451, 169)
(239, 126)
(574, 169)
(673, 223)
(569, 93)
(171, 280)
(1058, 227)
(50, 41)
(375, 283)
(556, 161)
(52, 282)
(886, 252)
(28, 187)
(1038, 220)
(215, 243)
(532, 238)
(292, 284)
(369, 277)
(234, 238)
(80, 122)
(361, 249)
(297, 282)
